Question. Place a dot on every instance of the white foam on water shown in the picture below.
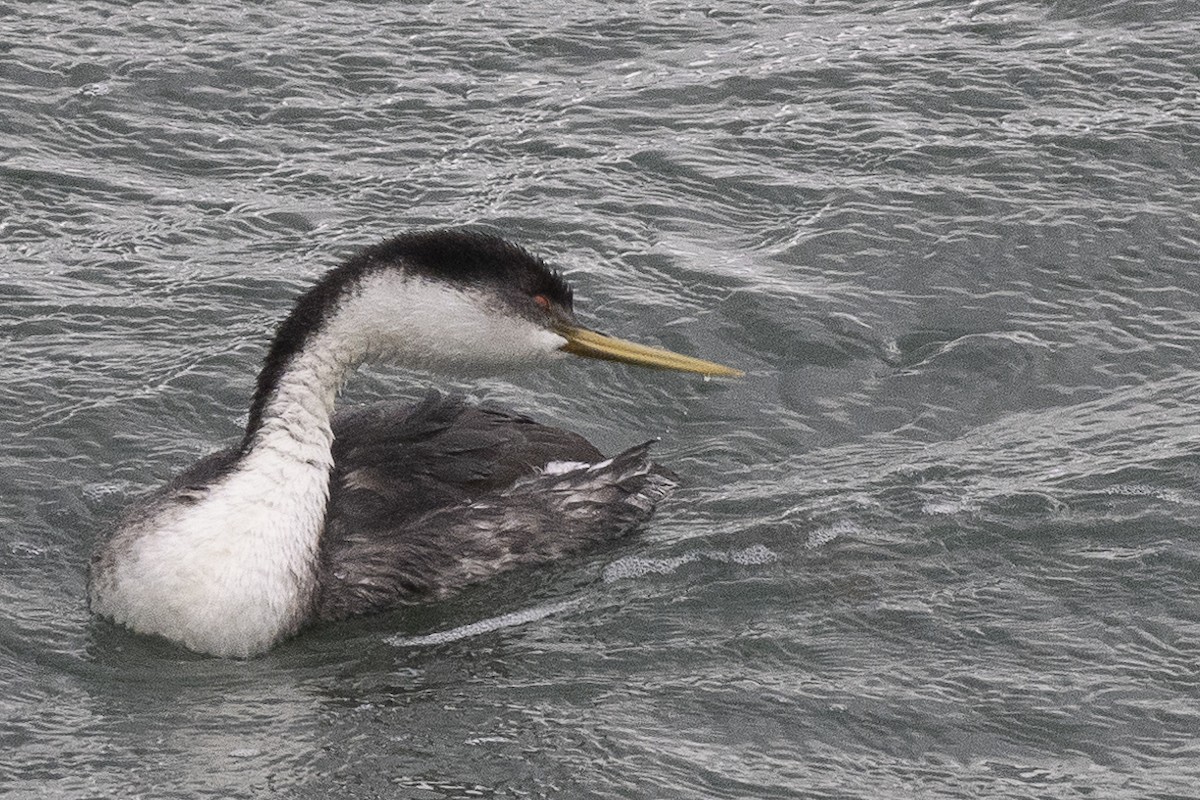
(639, 567)
(822, 536)
(755, 554)
(1142, 490)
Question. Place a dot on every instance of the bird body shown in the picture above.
(318, 515)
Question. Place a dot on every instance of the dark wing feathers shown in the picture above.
(392, 464)
(537, 519)
(428, 499)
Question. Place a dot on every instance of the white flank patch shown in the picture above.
(563, 467)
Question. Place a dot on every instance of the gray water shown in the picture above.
(941, 542)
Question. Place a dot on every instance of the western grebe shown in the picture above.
(320, 516)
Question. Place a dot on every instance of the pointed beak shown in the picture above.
(590, 344)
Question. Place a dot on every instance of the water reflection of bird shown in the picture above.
(319, 516)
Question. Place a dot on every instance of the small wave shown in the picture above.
(631, 567)
(510, 620)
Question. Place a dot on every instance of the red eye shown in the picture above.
(542, 301)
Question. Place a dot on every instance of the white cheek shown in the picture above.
(491, 342)
(421, 323)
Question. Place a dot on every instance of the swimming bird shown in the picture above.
(318, 516)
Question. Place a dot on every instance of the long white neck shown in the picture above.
(232, 570)
(295, 424)
(280, 487)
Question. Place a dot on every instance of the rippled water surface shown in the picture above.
(941, 542)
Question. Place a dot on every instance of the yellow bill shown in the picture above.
(590, 344)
